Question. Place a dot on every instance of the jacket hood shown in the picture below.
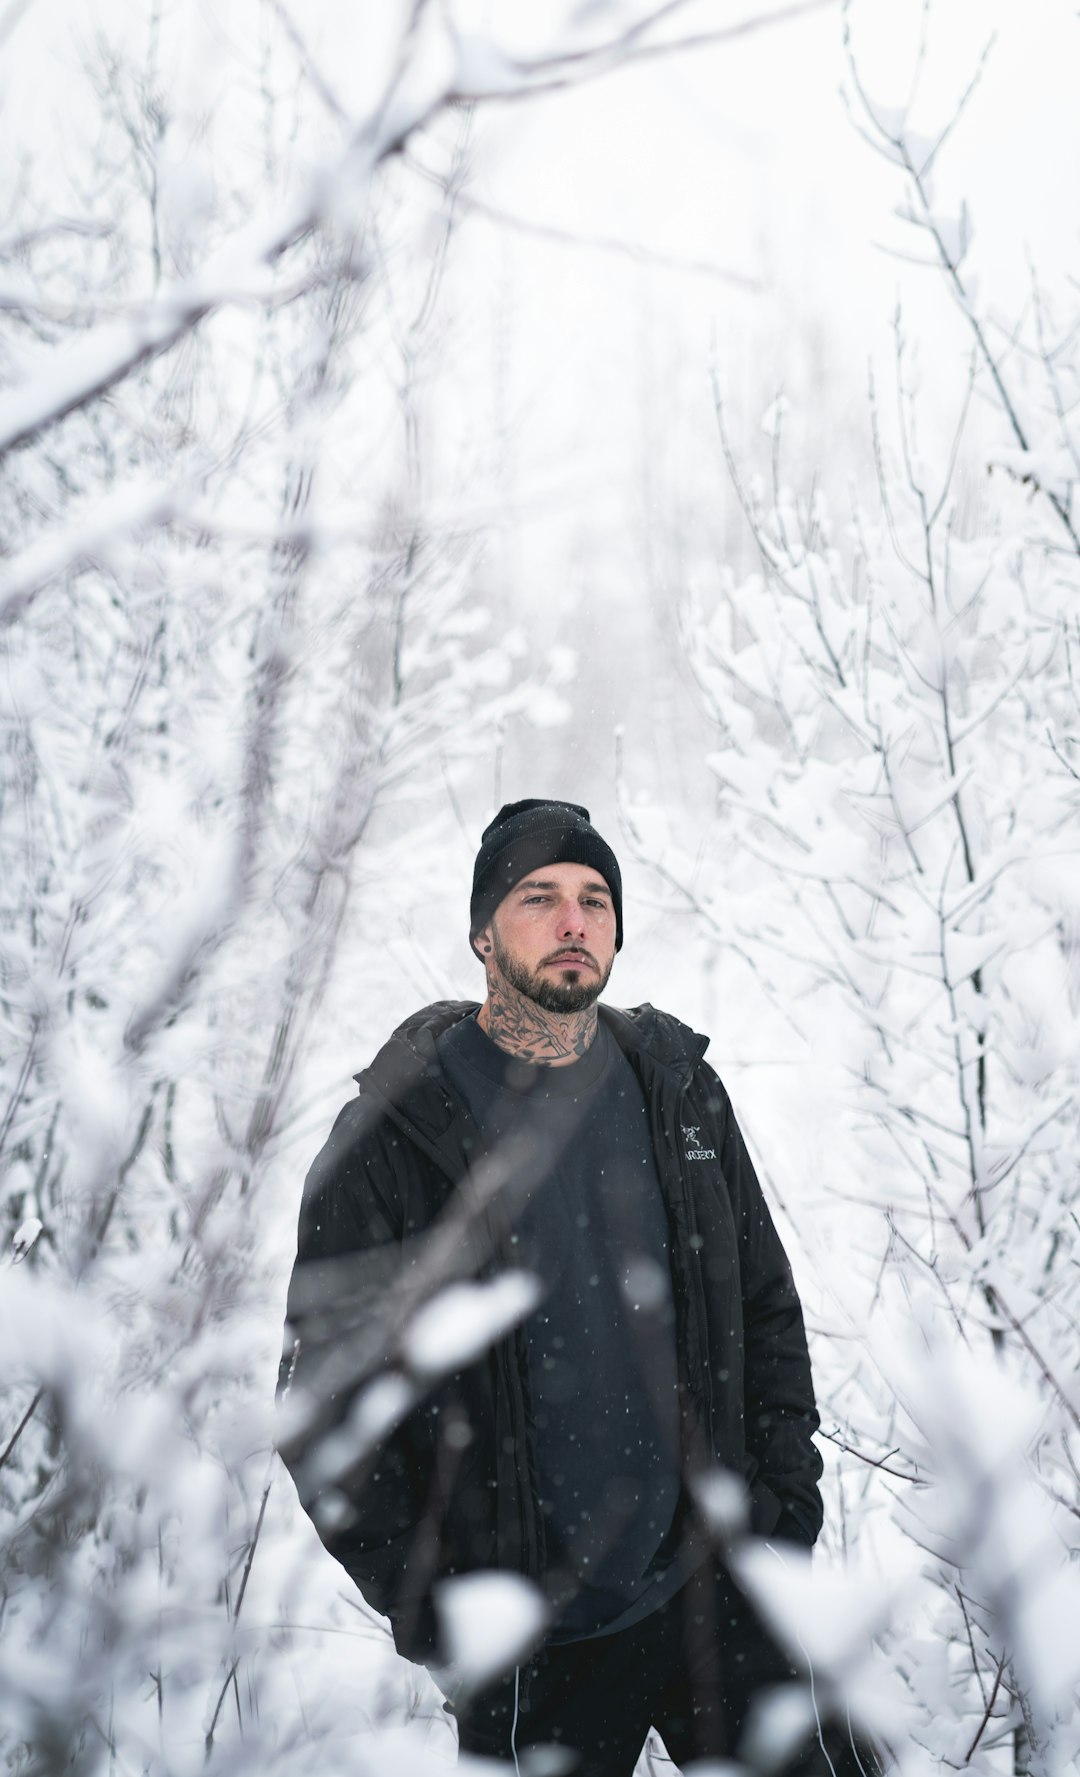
(669, 1042)
(405, 1077)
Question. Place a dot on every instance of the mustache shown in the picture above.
(572, 950)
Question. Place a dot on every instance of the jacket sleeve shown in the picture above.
(781, 1414)
(367, 1498)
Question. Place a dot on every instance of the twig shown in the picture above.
(596, 61)
(21, 1427)
(209, 1743)
(879, 1462)
(988, 1711)
(598, 243)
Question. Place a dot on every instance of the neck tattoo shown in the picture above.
(519, 1026)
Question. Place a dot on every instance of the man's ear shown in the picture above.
(483, 943)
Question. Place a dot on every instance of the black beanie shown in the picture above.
(527, 835)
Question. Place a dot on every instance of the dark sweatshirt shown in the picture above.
(601, 1346)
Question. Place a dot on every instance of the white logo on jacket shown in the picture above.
(691, 1131)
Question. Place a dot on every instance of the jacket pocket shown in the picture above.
(765, 1509)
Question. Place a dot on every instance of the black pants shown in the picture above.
(691, 1670)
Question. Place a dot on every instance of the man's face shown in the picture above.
(553, 936)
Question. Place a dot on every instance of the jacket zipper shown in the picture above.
(512, 1360)
(699, 1286)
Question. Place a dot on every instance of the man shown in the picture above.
(594, 1148)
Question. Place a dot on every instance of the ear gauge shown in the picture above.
(487, 949)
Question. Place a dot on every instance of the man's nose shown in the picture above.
(572, 920)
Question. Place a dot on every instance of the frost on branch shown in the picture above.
(490, 1621)
(465, 1319)
(23, 1239)
(246, 671)
(892, 879)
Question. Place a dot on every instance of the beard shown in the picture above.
(572, 990)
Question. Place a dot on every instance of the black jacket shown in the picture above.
(395, 1198)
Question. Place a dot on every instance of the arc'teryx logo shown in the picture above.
(691, 1131)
